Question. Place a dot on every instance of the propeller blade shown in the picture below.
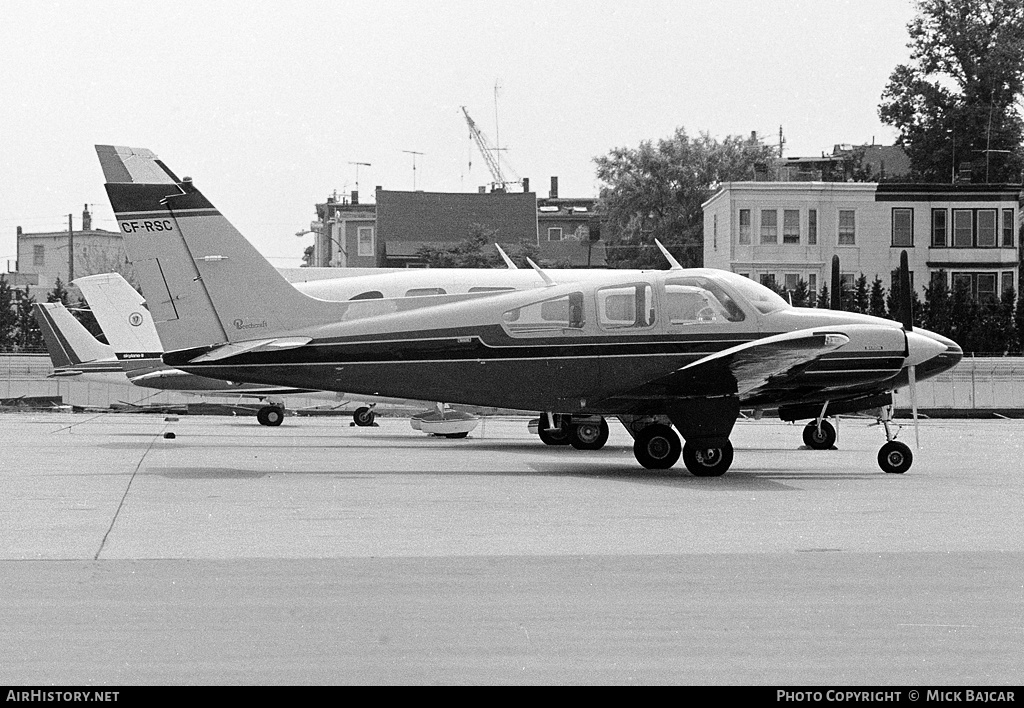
(913, 404)
(836, 286)
(906, 303)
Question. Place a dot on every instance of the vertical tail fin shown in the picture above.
(122, 314)
(67, 341)
(204, 283)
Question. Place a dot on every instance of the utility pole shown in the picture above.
(71, 251)
(414, 154)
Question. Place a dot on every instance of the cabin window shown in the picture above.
(692, 299)
(625, 306)
(546, 316)
(419, 292)
(368, 295)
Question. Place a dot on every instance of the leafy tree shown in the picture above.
(477, 251)
(84, 315)
(1018, 321)
(655, 191)
(307, 257)
(876, 300)
(963, 316)
(957, 100)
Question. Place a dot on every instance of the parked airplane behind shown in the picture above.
(682, 347)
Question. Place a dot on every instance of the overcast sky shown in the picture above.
(266, 104)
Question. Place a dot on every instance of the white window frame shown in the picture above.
(365, 247)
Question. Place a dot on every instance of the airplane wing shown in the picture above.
(743, 370)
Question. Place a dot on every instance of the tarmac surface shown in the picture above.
(319, 553)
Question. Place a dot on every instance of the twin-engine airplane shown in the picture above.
(682, 347)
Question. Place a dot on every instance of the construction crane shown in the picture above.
(491, 156)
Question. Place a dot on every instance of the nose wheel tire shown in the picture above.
(707, 461)
(270, 415)
(589, 436)
(363, 416)
(657, 447)
(819, 439)
(895, 457)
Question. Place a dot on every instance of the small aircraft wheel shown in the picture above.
(554, 436)
(895, 457)
(270, 415)
(363, 416)
(589, 436)
(707, 461)
(822, 439)
(657, 447)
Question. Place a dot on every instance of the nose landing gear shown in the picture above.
(894, 457)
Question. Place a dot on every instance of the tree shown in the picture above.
(477, 251)
(27, 334)
(937, 306)
(957, 101)
(307, 257)
(8, 317)
(861, 298)
(58, 294)
(876, 300)
(802, 294)
(824, 299)
(655, 191)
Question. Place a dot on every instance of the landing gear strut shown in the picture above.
(894, 457)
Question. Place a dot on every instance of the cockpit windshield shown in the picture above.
(760, 297)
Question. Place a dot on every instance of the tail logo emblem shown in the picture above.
(242, 324)
(135, 319)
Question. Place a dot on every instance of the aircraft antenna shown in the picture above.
(544, 276)
(504, 256)
(672, 262)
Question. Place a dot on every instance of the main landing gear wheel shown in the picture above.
(553, 436)
(363, 416)
(657, 447)
(707, 461)
(819, 439)
(589, 436)
(270, 415)
(895, 457)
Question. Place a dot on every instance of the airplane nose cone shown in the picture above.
(922, 348)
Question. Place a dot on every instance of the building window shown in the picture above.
(963, 228)
(744, 227)
(791, 226)
(1008, 225)
(555, 233)
(981, 286)
(769, 226)
(745, 275)
(812, 283)
(847, 228)
(791, 280)
(902, 228)
(1007, 282)
(987, 228)
(939, 228)
(938, 278)
(365, 241)
(39, 255)
(768, 280)
(812, 227)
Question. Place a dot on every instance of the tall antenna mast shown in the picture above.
(414, 154)
(497, 130)
(358, 164)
